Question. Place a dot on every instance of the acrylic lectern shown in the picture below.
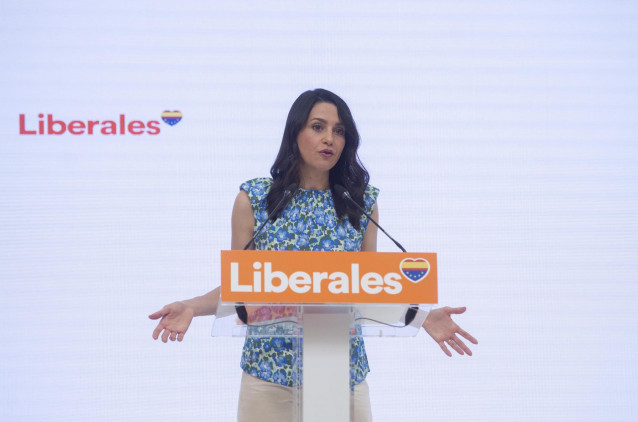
(318, 304)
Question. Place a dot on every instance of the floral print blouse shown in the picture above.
(308, 223)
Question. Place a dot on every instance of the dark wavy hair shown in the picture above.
(349, 172)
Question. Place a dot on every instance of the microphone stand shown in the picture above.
(410, 314)
(290, 192)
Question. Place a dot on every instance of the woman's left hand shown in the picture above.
(440, 326)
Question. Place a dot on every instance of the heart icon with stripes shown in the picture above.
(415, 270)
(171, 117)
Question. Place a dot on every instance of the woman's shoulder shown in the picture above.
(371, 191)
(370, 197)
(256, 188)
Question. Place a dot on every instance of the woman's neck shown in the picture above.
(316, 181)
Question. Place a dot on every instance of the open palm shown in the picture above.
(175, 320)
(446, 332)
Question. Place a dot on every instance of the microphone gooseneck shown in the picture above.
(342, 192)
(410, 314)
(289, 193)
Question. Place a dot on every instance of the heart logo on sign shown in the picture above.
(171, 117)
(415, 270)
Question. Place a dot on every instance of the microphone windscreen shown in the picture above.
(292, 188)
(341, 191)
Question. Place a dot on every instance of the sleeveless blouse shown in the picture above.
(308, 223)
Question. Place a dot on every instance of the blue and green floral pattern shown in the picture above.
(308, 223)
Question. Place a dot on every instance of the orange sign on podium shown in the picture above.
(328, 277)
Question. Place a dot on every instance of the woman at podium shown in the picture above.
(297, 209)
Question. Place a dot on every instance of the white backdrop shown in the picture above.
(502, 135)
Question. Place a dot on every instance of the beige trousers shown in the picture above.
(263, 401)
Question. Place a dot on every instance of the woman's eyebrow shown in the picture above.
(325, 121)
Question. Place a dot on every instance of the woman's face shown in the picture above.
(322, 139)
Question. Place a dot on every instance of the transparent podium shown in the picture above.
(328, 302)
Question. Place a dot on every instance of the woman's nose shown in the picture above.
(329, 137)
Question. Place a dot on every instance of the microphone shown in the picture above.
(342, 192)
(289, 193)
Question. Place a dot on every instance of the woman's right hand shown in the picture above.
(175, 320)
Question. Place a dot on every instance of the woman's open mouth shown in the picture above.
(326, 153)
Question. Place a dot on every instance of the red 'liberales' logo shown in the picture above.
(50, 126)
